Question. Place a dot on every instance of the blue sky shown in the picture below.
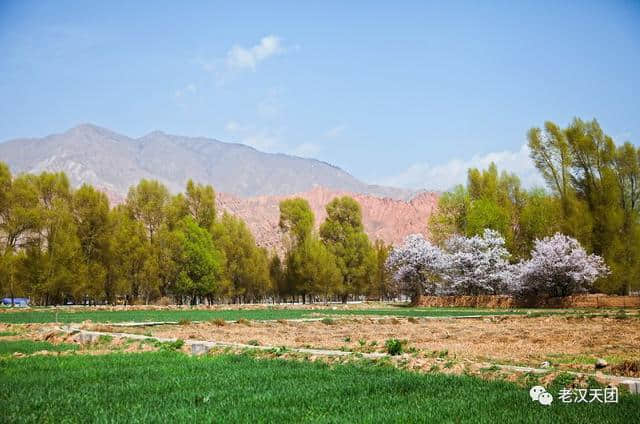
(402, 93)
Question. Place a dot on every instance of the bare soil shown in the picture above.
(503, 340)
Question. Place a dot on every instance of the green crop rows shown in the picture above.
(96, 315)
(172, 387)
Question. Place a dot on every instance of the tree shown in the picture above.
(54, 248)
(277, 275)
(343, 235)
(450, 217)
(90, 210)
(296, 219)
(380, 279)
(491, 200)
(129, 255)
(199, 202)
(596, 183)
(477, 265)
(147, 203)
(200, 262)
(559, 266)
(540, 217)
(416, 267)
(247, 267)
(310, 267)
(312, 270)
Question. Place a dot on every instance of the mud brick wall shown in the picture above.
(581, 301)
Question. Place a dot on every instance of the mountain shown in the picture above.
(383, 218)
(248, 183)
(114, 162)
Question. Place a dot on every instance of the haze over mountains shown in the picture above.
(114, 162)
(249, 183)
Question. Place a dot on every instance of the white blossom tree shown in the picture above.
(477, 265)
(416, 266)
(559, 266)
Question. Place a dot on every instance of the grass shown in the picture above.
(8, 347)
(70, 315)
(583, 359)
(171, 387)
(8, 333)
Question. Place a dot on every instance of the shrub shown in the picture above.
(105, 339)
(253, 342)
(395, 346)
(184, 322)
(175, 345)
(219, 322)
(328, 321)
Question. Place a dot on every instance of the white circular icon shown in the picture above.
(545, 398)
(536, 391)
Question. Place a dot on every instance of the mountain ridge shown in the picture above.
(104, 158)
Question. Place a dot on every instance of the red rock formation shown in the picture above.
(384, 218)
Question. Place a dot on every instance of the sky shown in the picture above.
(408, 94)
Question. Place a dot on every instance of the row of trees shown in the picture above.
(479, 265)
(593, 196)
(59, 244)
(337, 262)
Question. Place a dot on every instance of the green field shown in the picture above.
(30, 346)
(71, 315)
(172, 387)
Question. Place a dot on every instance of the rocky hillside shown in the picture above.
(114, 162)
(384, 218)
(249, 183)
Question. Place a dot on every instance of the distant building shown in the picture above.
(17, 301)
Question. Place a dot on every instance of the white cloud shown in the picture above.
(189, 88)
(247, 58)
(447, 175)
(335, 131)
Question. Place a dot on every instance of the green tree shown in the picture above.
(90, 210)
(277, 275)
(128, 256)
(380, 277)
(311, 270)
(147, 202)
(343, 234)
(596, 183)
(200, 262)
(296, 219)
(247, 266)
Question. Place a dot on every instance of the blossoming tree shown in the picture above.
(416, 266)
(477, 265)
(559, 266)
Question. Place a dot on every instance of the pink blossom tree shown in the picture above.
(477, 265)
(416, 266)
(559, 266)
